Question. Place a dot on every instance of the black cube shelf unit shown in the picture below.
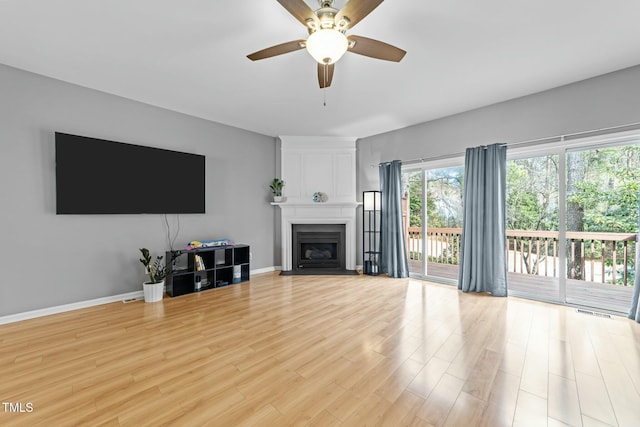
(219, 266)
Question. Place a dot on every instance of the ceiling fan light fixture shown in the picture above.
(327, 46)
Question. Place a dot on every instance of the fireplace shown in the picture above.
(318, 246)
(323, 218)
(311, 164)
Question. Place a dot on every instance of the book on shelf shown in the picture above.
(199, 263)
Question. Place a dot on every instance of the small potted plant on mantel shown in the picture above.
(276, 188)
(153, 288)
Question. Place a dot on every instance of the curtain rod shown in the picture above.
(545, 140)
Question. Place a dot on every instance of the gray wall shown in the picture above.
(605, 101)
(47, 259)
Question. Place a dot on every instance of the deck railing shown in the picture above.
(595, 257)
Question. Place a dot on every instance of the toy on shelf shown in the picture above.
(194, 244)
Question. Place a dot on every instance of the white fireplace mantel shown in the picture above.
(313, 205)
(318, 213)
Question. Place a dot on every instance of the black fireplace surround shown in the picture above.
(318, 246)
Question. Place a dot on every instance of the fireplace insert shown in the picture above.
(318, 246)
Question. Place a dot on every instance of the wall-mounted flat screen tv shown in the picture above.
(95, 176)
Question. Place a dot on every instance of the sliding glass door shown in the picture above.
(433, 199)
(572, 222)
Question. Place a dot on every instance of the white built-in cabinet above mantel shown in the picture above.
(318, 165)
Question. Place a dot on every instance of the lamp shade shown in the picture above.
(371, 201)
(327, 46)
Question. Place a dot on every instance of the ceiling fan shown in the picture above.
(327, 41)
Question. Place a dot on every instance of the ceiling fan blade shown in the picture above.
(300, 11)
(277, 50)
(325, 74)
(356, 10)
(375, 48)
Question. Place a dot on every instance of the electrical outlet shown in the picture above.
(250, 256)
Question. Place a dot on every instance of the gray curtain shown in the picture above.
(483, 266)
(393, 256)
(634, 312)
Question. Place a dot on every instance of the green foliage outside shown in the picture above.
(532, 193)
(606, 196)
(609, 191)
(413, 187)
(444, 197)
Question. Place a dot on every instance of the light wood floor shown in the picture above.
(323, 351)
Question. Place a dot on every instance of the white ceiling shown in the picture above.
(190, 56)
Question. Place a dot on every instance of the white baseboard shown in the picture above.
(266, 270)
(68, 307)
(90, 303)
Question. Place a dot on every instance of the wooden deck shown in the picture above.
(588, 294)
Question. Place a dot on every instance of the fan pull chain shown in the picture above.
(324, 89)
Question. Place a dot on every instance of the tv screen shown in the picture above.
(95, 176)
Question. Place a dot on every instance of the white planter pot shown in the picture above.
(278, 199)
(153, 292)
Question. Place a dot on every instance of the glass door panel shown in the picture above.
(444, 220)
(412, 217)
(532, 227)
(602, 225)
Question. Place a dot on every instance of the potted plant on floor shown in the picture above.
(154, 287)
(276, 188)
